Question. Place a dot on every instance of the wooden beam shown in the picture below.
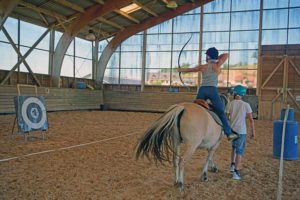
(70, 5)
(23, 57)
(81, 21)
(42, 10)
(145, 8)
(6, 7)
(94, 12)
(124, 14)
(273, 72)
(113, 24)
(129, 31)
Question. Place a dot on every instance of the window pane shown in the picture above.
(245, 20)
(161, 42)
(157, 77)
(195, 11)
(294, 18)
(243, 77)
(131, 60)
(189, 79)
(275, 3)
(103, 44)
(187, 59)
(83, 68)
(179, 40)
(8, 56)
(134, 43)
(11, 26)
(220, 40)
(243, 59)
(158, 59)
(111, 76)
(275, 19)
(238, 5)
(274, 37)
(131, 76)
(187, 23)
(244, 40)
(294, 3)
(294, 36)
(165, 27)
(67, 66)
(114, 61)
(83, 48)
(37, 60)
(216, 22)
(217, 6)
(222, 78)
(31, 33)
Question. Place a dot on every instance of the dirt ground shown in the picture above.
(104, 167)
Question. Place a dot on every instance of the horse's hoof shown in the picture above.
(180, 186)
(204, 177)
(214, 169)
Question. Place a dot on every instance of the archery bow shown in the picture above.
(179, 59)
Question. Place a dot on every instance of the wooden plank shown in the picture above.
(55, 98)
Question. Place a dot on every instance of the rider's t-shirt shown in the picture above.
(209, 76)
(238, 111)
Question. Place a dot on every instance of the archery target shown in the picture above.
(31, 113)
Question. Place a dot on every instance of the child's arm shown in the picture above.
(197, 68)
(249, 116)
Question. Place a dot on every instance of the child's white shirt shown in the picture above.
(238, 111)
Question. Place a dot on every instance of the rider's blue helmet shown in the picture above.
(239, 90)
(213, 53)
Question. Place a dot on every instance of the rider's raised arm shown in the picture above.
(222, 58)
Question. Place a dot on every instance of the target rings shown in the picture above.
(34, 113)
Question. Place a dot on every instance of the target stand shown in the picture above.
(31, 114)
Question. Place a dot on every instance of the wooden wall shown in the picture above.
(144, 101)
(56, 98)
(271, 56)
(25, 78)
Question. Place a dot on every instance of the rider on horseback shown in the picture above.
(208, 89)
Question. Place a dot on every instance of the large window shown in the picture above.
(78, 59)
(232, 26)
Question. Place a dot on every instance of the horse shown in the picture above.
(187, 123)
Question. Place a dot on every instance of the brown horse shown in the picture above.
(186, 123)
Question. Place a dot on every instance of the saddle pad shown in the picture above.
(205, 105)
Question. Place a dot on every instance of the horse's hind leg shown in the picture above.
(184, 159)
(209, 160)
(176, 159)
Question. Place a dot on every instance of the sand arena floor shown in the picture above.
(105, 168)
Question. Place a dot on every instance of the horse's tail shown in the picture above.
(162, 137)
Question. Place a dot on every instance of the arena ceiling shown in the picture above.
(115, 17)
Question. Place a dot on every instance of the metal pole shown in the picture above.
(144, 61)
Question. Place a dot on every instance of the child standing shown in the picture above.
(238, 111)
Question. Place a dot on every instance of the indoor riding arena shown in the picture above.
(97, 97)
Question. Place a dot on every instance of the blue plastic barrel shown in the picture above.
(290, 114)
(81, 85)
(291, 140)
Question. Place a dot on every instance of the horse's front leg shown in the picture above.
(214, 167)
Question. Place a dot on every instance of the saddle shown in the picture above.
(209, 109)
